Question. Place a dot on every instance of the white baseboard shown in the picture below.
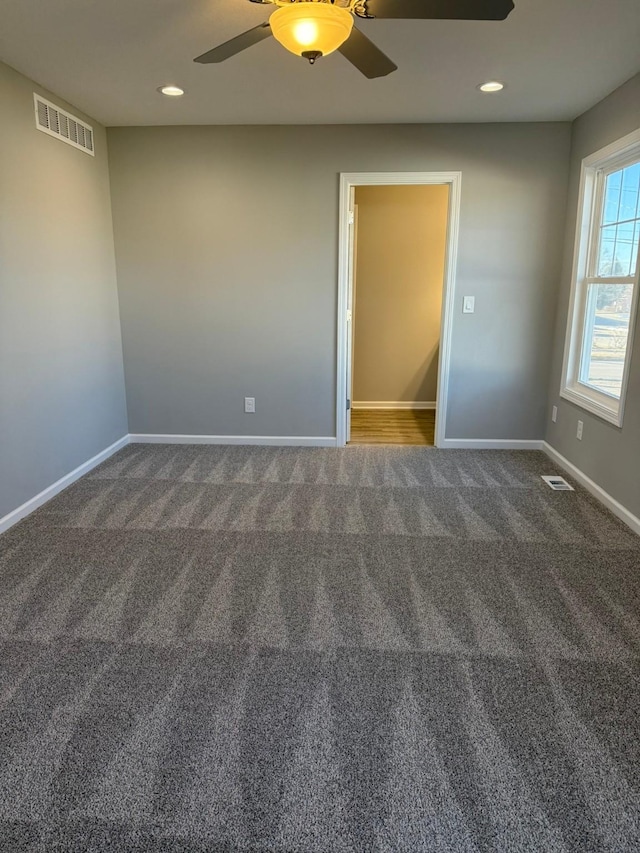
(381, 404)
(491, 444)
(269, 440)
(313, 441)
(51, 491)
(55, 488)
(597, 491)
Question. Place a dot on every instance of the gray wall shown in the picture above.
(608, 455)
(61, 378)
(399, 273)
(226, 249)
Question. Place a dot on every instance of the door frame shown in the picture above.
(348, 181)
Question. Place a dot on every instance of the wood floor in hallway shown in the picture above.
(393, 426)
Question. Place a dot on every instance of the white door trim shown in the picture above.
(348, 180)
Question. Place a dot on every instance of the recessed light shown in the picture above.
(171, 91)
(491, 86)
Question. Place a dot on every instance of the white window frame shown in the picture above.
(593, 174)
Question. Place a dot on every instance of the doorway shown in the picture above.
(398, 241)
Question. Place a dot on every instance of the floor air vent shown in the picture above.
(558, 484)
(61, 124)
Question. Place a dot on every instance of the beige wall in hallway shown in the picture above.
(399, 279)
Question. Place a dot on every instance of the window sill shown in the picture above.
(612, 415)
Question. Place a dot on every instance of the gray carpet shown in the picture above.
(370, 649)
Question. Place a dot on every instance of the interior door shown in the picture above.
(353, 223)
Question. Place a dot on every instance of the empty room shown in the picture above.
(319, 426)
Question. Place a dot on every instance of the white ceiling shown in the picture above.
(107, 57)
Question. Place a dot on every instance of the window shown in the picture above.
(604, 293)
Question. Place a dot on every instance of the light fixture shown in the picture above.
(171, 91)
(491, 86)
(311, 28)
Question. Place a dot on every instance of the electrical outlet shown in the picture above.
(579, 431)
(250, 404)
(554, 414)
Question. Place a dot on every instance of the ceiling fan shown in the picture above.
(315, 28)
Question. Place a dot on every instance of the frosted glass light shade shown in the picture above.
(306, 26)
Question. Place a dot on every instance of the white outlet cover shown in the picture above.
(468, 304)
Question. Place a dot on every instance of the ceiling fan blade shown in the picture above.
(366, 57)
(235, 45)
(466, 10)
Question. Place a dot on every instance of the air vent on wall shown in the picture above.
(61, 124)
(558, 484)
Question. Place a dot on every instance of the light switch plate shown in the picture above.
(468, 304)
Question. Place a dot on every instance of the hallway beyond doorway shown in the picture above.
(393, 426)
(346, 393)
